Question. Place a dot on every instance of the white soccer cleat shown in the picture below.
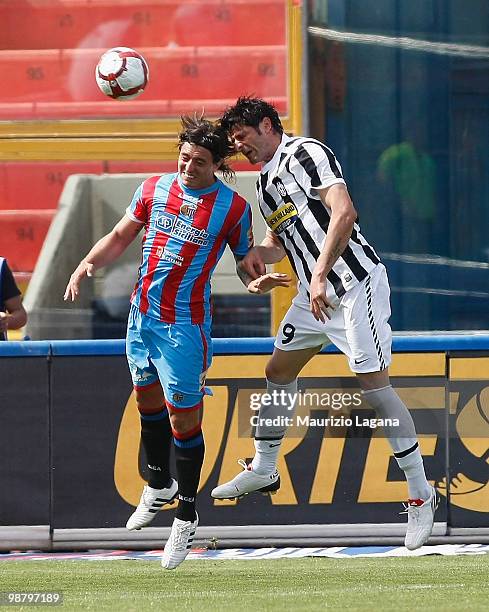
(179, 543)
(421, 515)
(247, 482)
(152, 500)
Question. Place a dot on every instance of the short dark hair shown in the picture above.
(251, 111)
(211, 136)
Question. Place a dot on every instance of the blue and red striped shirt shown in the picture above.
(186, 232)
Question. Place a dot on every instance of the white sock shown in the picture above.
(268, 442)
(412, 464)
(402, 439)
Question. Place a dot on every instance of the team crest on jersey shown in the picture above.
(280, 187)
(189, 206)
(282, 218)
(188, 210)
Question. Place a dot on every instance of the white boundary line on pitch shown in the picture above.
(250, 554)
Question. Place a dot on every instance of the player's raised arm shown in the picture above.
(104, 252)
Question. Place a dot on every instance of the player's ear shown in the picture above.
(266, 125)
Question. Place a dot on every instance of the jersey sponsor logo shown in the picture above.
(167, 255)
(169, 223)
(283, 217)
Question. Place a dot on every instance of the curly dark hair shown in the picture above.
(210, 135)
(251, 111)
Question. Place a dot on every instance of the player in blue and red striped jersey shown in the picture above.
(188, 217)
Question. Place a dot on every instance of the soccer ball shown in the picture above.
(122, 73)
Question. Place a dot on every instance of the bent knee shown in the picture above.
(184, 421)
(279, 374)
(373, 380)
(150, 399)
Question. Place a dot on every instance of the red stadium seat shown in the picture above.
(213, 72)
(66, 24)
(22, 236)
(184, 73)
(31, 75)
(253, 22)
(38, 185)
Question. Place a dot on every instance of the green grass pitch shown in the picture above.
(399, 584)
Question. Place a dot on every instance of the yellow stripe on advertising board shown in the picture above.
(475, 368)
(253, 366)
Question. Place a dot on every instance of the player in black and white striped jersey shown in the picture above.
(343, 297)
(299, 218)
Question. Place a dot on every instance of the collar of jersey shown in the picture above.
(276, 156)
(197, 192)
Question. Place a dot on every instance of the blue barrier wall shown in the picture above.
(418, 343)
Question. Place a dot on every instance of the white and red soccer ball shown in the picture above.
(122, 73)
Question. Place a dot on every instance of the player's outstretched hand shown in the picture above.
(269, 281)
(252, 263)
(73, 287)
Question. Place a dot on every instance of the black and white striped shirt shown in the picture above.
(291, 206)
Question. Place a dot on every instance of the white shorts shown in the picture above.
(358, 326)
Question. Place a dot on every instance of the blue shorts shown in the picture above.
(177, 355)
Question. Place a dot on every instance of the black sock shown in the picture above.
(156, 438)
(189, 460)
